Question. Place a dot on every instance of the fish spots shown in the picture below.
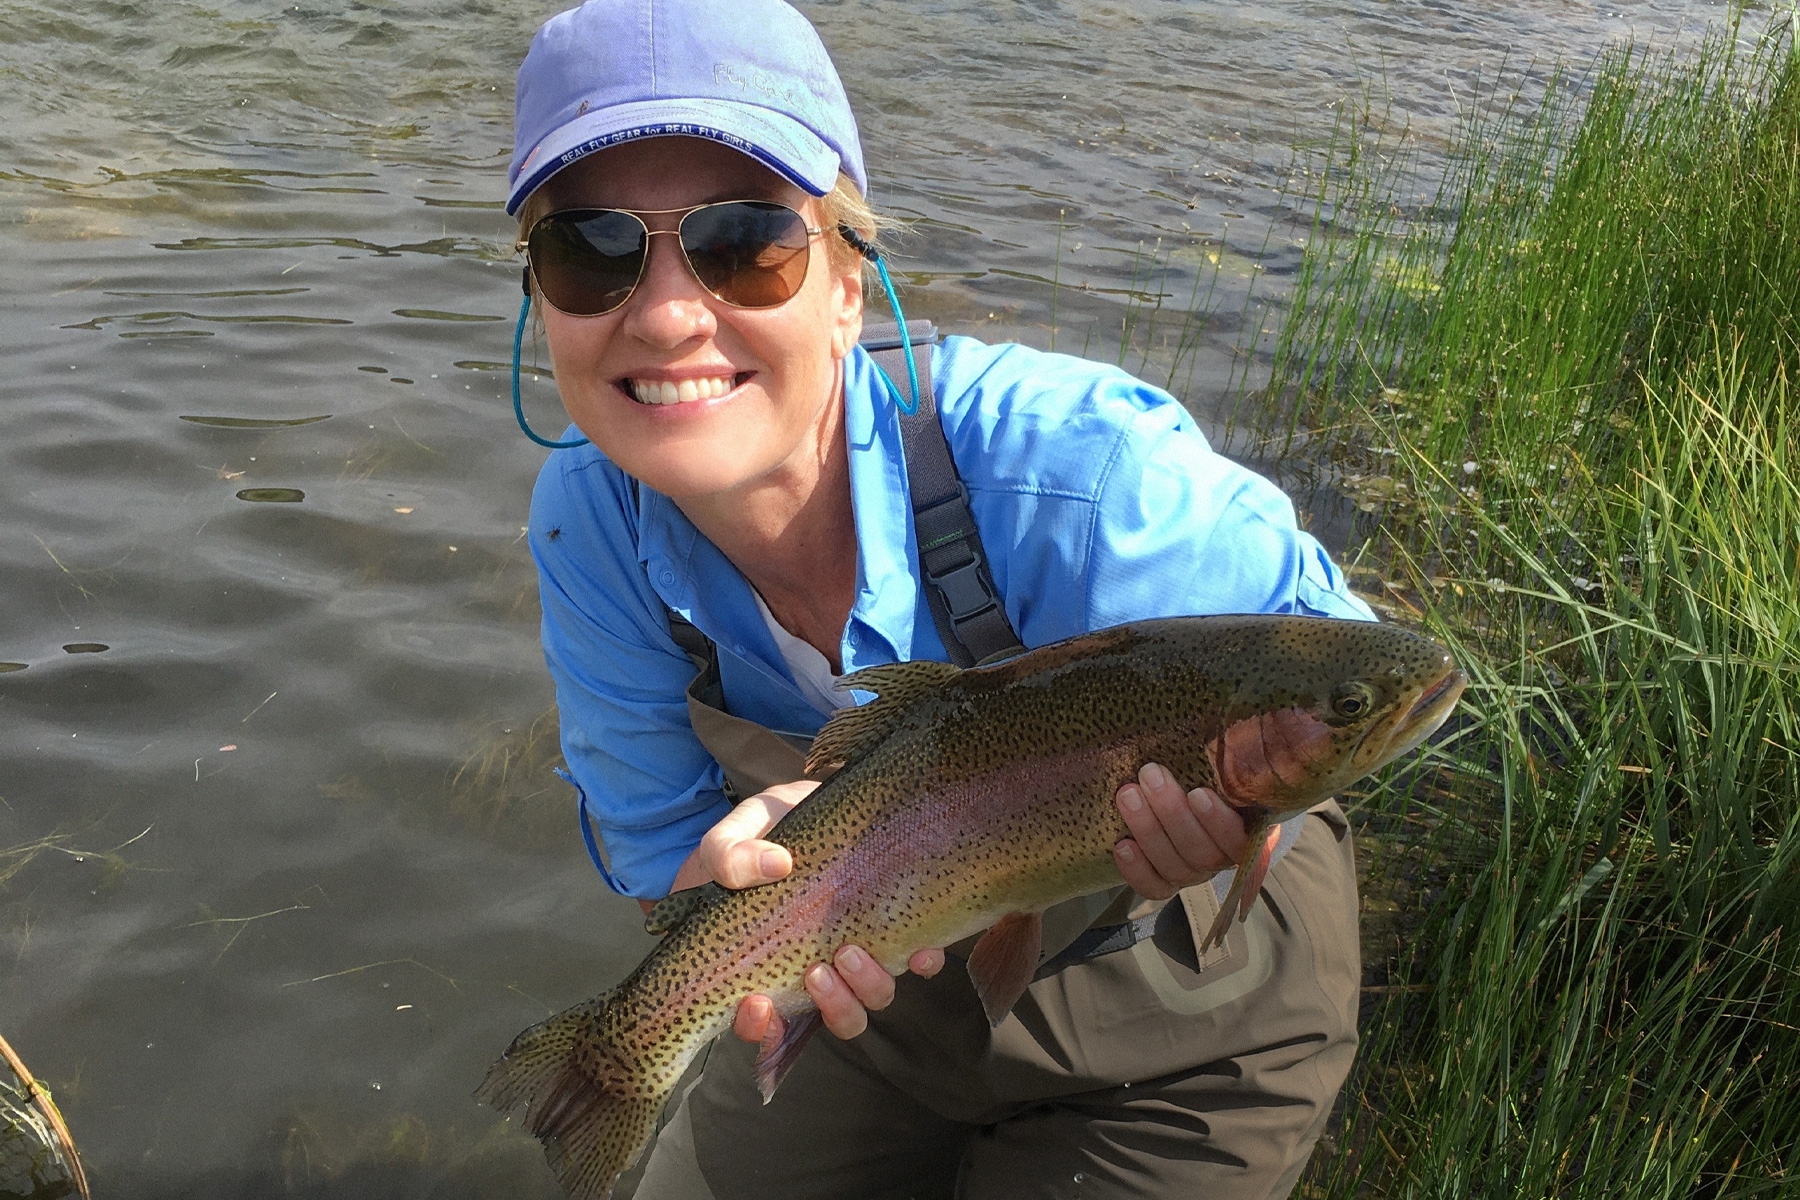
(993, 794)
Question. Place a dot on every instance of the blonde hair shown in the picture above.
(845, 205)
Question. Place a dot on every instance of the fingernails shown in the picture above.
(1131, 798)
(1154, 776)
(1202, 799)
(773, 864)
(852, 958)
(1126, 851)
(823, 979)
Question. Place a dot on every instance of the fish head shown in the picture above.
(1317, 704)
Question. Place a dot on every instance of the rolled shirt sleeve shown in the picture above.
(1179, 528)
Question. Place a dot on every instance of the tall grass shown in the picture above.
(1565, 394)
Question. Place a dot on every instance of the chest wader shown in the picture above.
(1130, 1067)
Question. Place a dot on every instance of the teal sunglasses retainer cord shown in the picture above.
(861, 245)
(518, 404)
(857, 243)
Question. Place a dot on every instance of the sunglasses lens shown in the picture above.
(748, 253)
(587, 261)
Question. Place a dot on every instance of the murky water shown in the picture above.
(270, 690)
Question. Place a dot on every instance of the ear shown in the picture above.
(846, 309)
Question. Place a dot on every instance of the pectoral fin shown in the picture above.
(1252, 866)
(781, 1047)
(1004, 960)
(1265, 850)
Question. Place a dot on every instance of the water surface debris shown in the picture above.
(434, 314)
(253, 422)
(37, 1155)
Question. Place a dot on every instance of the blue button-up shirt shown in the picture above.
(1098, 502)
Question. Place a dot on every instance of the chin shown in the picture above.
(696, 472)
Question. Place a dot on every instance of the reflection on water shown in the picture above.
(339, 876)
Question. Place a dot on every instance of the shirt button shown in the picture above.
(667, 578)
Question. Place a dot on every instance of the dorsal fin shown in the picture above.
(853, 731)
(669, 912)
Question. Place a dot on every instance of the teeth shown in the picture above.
(664, 391)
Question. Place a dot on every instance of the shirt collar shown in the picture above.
(887, 598)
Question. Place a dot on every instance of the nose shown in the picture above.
(669, 306)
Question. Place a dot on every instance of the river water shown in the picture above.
(272, 711)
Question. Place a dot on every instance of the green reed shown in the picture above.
(1564, 393)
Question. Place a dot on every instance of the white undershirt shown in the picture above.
(808, 667)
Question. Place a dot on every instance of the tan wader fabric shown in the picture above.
(1142, 1073)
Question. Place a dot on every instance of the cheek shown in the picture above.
(1262, 758)
(577, 348)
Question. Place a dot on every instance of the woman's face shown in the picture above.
(764, 378)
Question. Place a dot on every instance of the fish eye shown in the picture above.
(1351, 700)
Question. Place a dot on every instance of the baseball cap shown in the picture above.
(752, 74)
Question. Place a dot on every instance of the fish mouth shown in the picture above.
(1405, 730)
(1441, 695)
(1429, 711)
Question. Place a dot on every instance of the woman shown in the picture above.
(746, 480)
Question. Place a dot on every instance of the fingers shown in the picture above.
(926, 963)
(1223, 823)
(755, 1014)
(854, 985)
(846, 990)
(1139, 875)
(751, 861)
(734, 853)
(1177, 838)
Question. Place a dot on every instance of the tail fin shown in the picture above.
(590, 1109)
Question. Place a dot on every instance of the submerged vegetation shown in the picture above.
(1565, 396)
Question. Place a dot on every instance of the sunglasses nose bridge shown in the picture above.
(669, 296)
(687, 268)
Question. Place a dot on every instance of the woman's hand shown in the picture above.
(1177, 838)
(847, 990)
(734, 854)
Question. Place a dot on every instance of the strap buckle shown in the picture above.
(950, 555)
(966, 593)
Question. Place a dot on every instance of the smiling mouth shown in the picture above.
(685, 391)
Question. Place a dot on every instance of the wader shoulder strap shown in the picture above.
(752, 756)
(967, 608)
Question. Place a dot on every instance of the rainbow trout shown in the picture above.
(969, 800)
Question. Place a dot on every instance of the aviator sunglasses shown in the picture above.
(747, 253)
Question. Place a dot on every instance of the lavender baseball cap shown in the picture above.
(749, 73)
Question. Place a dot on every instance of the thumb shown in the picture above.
(752, 861)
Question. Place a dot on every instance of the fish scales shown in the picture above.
(976, 799)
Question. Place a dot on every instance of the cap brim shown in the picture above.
(773, 139)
